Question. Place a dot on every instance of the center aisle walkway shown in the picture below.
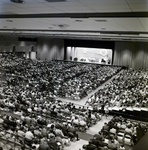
(96, 128)
(83, 101)
(86, 136)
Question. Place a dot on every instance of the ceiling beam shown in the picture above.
(78, 15)
(79, 31)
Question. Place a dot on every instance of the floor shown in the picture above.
(77, 145)
(96, 128)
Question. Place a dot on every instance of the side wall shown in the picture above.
(131, 54)
(7, 44)
(50, 49)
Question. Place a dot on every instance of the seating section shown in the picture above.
(60, 120)
(126, 94)
(29, 105)
(119, 133)
(32, 116)
(63, 79)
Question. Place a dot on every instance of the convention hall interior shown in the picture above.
(73, 74)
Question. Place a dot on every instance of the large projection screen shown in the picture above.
(90, 55)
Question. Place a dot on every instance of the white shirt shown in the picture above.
(29, 135)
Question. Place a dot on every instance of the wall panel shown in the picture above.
(7, 44)
(50, 49)
(131, 54)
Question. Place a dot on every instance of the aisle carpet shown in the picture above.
(85, 136)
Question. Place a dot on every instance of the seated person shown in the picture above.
(90, 146)
(128, 130)
(102, 143)
(53, 143)
(36, 145)
(113, 131)
(122, 147)
(44, 146)
(37, 132)
(105, 129)
(112, 145)
(1, 119)
(65, 129)
(20, 133)
(99, 136)
(29, 137)
(72, 132)
(6, 122)
(52, 129)
(95, 141)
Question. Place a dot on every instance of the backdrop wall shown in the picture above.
(94, 55)
(131, 54)
(50, 49)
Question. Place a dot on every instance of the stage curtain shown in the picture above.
(131, 54)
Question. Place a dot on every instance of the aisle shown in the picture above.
(86, 136)
(83, 101)
(76, 145)
(96, 128)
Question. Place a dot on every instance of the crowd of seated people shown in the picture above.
(23, 100)
(118, 134)
(62, 79)
(29, 90)
(31, 133)
(37, 125)
(36, 111)
(45, 121)
(129, 89)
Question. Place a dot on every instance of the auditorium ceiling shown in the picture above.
(117, 20)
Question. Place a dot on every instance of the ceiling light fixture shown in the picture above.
(17, 1)
(79, 20)
(103, 28)
(9, 20)
(101, 20)
(61, 25)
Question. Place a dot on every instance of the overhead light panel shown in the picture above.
(101, 20)
(103, 28)
(9, 20)
(55, 0)
(79, 20)
(61, 25)
(17, 1)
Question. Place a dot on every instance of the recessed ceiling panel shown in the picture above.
(104, 2)
(78, 9)
(131, 24)
(144, 22)
(113, 10)
(71, 24)
(137, 1)
(66, 4)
